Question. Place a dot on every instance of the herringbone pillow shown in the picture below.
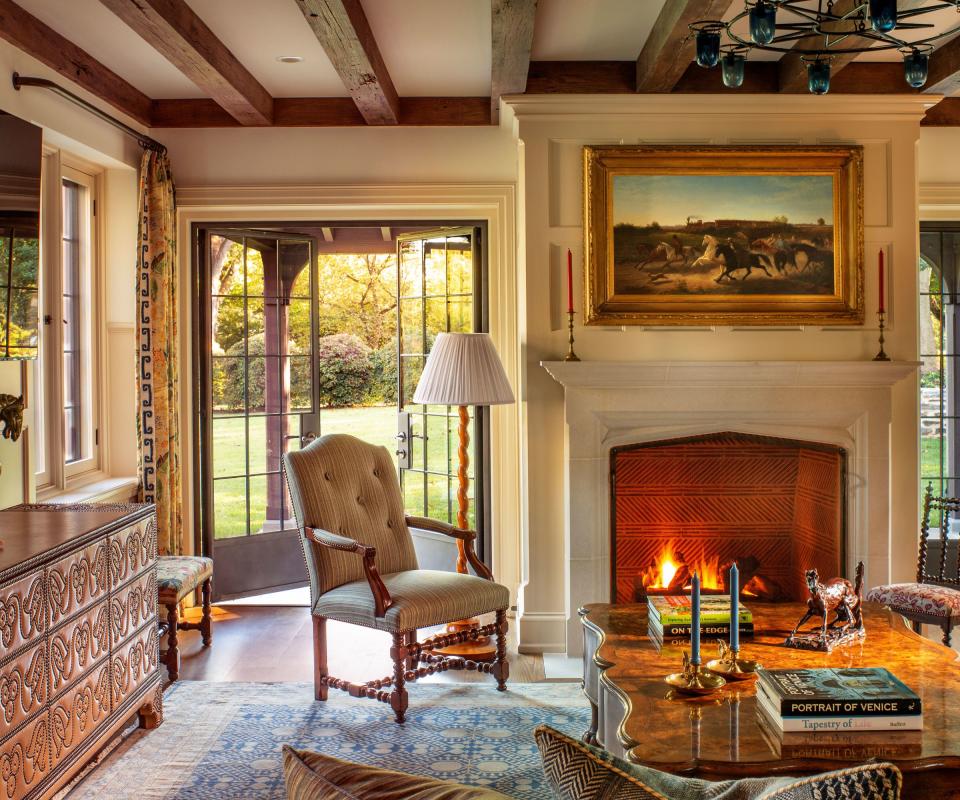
(576, 771)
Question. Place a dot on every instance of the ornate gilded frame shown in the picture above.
(604, 307)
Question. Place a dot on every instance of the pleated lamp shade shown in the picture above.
(463, 369)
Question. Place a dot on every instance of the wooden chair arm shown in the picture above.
(382, 601)
(466, 537)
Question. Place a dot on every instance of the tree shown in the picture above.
(821, 221)
(781, 219)
(358, 295)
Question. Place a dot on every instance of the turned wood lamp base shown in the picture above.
(483, 647)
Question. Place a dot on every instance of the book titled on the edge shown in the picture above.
(706, 629)
(675, 608)
(837, 724)
(853, 692)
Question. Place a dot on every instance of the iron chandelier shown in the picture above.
(818, 31)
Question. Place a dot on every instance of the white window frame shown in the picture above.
(54, 475)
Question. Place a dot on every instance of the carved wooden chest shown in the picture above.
(78, 638)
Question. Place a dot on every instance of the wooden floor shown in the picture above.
(275, 643)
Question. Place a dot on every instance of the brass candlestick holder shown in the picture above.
(881, 356)
(730, 666)
(695, 680)
(571, 356)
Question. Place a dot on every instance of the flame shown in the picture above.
(662, 571)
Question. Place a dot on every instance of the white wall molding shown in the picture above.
(940, 201)
(493, 203)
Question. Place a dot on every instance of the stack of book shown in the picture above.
(669, 617)
(836, 700)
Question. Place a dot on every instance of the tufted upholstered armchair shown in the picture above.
(363, 569)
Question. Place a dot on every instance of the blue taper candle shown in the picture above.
(734, 607)
(695, 621)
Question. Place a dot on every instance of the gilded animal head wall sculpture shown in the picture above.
(11, 416)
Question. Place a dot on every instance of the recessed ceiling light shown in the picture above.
(289, 59)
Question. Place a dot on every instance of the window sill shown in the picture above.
(102, 490)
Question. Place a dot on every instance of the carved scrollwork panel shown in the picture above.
(135, 662)
(76, 646)
(131, 550)
(23, 687)
(23, 612)
(24, 759)
(132, 606)
(77, 581)
(74, 715)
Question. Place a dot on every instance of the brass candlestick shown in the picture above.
(881, 356)
(571, 356)
(695, 680)
(731, 666)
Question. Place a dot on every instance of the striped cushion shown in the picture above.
(313, 776)
(348, 487)
(177, 576)
(421, 598)
(576, 771)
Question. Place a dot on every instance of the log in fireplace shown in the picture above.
(776, 506)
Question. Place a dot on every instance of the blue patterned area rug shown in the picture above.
(221, 741)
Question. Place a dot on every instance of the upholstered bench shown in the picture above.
(177, 576)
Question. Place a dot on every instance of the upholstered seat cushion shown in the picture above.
(576, 771)
(421, 598)
(179, 575)
(313, 776)
(917, 598)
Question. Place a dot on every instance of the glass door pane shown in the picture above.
(437, 273)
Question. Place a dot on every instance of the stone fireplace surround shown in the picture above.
(612, 403)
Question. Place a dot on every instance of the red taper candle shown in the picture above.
(881, 309)
(569, 281)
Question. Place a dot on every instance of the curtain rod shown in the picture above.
(142, 139)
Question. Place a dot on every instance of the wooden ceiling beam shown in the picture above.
(512, 40)
(27, 33)
(342, 29)
(669, 50)
(944, 74)
(945, 114)
(326, 112)
(173, 28)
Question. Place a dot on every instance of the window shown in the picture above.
(67, 447)
(939, 375)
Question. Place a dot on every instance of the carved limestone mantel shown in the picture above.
(611, 403)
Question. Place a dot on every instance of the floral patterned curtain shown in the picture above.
(157, 377)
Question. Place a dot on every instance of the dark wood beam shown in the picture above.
(342, 29)
(326, 112)
(581, 77)
(512, 40)
(944, 114)
(668, 50)
(174, 29)
(27, 33)
(944, 75)
(793, 72)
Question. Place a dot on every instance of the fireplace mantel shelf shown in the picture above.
(798, 374)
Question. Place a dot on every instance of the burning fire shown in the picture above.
(662, 573)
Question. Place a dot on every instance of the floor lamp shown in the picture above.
(462, 370)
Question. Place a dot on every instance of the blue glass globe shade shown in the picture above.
(883, 15)
(732, 68)
(915, 67)
(818, 77)
(708, 48)
(763, 22)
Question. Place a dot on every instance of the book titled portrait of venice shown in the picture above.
(723, 235)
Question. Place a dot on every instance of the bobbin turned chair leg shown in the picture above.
(172, 658)
(206, 621)
(320, 689)
(398, 697)
(501, 669)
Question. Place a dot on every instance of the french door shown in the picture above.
(257, 398)
(440, 288)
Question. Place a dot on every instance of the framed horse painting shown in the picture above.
(691, 235)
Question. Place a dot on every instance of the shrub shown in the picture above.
(344, 370)
(383, 380)
(228, 376)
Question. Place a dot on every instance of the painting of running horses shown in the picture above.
(681, 235)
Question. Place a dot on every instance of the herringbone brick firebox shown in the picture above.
(698, 503)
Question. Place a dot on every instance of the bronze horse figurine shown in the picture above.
(838, 596)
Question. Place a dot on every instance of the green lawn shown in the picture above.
(375, 424)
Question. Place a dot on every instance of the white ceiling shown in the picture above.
(430, 47)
